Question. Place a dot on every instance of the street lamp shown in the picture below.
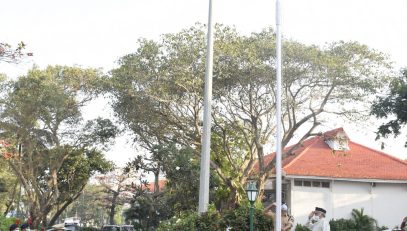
(251, 191)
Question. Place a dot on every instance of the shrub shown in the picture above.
(5, 222)
(342, 225)
(186, 221)
(238, 219)
(235, 220)
(300, 227)
(358, 222)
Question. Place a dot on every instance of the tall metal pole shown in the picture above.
(206, 135)
(278, 116)
(251, 215)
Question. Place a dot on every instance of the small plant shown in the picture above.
(358, 222)
(342, 225)
(300, 227)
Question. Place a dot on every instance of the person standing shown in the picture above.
(317, 221)
(287, 221)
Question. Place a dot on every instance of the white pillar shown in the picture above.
(206, 135)
(278, 116)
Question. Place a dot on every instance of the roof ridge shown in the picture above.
(290, 146)
(381, 153)
(303, 151)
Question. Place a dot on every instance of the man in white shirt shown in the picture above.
(316, 220)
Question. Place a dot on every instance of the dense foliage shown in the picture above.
(180, 192)
(393, 104)
(157, 94)
(234, 220)
(6, 222)
(51, 150)
(90, 206)
(358, 222)
(300, 227)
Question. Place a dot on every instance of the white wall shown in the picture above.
(390, 203)
(386, 202)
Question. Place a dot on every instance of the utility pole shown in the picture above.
(206, 134)
(278, 116)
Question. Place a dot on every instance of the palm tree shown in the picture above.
(364, 222)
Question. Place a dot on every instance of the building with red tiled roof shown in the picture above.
(333, 172)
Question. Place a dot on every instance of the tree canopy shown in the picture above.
(392, 106)
(157, 93)
(51, 150)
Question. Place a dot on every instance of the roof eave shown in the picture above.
(346, 179)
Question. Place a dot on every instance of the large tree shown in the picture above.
(52, 151)
(157, 93)
(393, 106)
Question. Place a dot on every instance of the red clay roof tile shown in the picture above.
(315, 158)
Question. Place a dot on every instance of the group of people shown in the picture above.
(316, 219)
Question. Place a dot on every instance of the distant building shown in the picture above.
(335, 173)
(151, 185)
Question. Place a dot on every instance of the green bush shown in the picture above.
(300, 227)
(358, 222)
(342, 225)
(186, 221)
(236, 220)
(5, 222)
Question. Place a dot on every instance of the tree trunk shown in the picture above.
(156, 181)
(113, 208)
(10, 201)
(35, 218)
(59, 212)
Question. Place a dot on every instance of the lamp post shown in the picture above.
(251, 191)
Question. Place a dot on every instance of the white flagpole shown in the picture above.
(206, 135)
(278, 116)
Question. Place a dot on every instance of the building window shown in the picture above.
(314, 183)
(297, 183)
(270, 196)
(325, 184)
(307, 183)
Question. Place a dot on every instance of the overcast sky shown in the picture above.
(95, 33)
